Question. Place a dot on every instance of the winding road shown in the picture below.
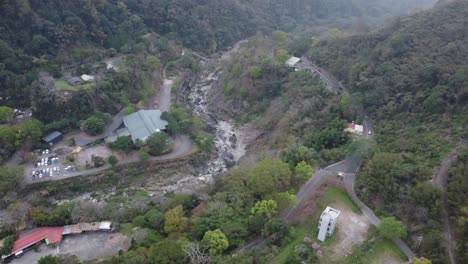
(348, 167)
(182, 144)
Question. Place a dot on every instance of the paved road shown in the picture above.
(349, 183)
(182, 146)
(164, 96)
(348, 166)
(318, 177)
(82, 139)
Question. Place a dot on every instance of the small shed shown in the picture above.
(292, 62)
(52, 137)
(73, 81)
(86, 77)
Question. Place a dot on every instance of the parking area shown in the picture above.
(46, 164)
(85, 246)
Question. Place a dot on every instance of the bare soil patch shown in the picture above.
(352, 231)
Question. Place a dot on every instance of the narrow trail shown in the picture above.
(440, 180)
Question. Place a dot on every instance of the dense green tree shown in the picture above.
(276, 230)
(215, 241)
(281, 56)
(6, 114)
(187, 201)
(153, 62)
(391, 228)
(154, 218)
(303, 172)
(204, 140)
(10, 177)
(269, 176)
(7, 245)
(175, 220)
(158, 143)
(128, 110)
(143, 155)
(260, 213)
(123, 144)
(112, 160)
(93, 125)
(167, 252)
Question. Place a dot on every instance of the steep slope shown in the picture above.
(412, 78)
(62, 32)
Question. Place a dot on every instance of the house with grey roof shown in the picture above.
(144, 123)
(73, 80)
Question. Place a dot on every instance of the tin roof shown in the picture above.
(51, 136)
(53, 235)
(144, 123)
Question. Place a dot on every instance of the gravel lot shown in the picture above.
(86, 246)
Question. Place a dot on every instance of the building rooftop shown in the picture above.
(291, 62)
(144, 123)
(52, 235)
(86, 77)
(330, 213)
(73, 80)
(51, 136)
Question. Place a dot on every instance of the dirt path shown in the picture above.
(440, 180)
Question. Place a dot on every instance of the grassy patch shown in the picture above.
(126, 229)
(335, 195)
(309, 229)
(62, 85)
(374, 250)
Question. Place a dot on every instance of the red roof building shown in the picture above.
(351, 126)
(51, 235)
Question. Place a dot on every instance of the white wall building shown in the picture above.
(293, 61)
(327, 222)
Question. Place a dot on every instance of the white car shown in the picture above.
(369, 133)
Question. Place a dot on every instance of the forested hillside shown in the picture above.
(412, 78)
(48, 34)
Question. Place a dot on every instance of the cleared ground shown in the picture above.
(352, 231)
(85, 246)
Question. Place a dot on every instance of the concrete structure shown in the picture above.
(144, 123)
(292, 62)
(122, 132)
(53, 137)
(355, 129)
(73, 81)
(86, 77)
(327, 222)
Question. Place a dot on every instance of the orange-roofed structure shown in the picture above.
(51, 235)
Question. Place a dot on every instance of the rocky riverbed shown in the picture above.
(229, 140)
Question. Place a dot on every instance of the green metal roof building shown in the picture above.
(144, 123)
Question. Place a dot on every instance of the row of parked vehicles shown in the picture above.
(47, 172)
(46, 161)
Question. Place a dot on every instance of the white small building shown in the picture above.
(86, 77)
(355, 129)
(292, 62)
(327, 222)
